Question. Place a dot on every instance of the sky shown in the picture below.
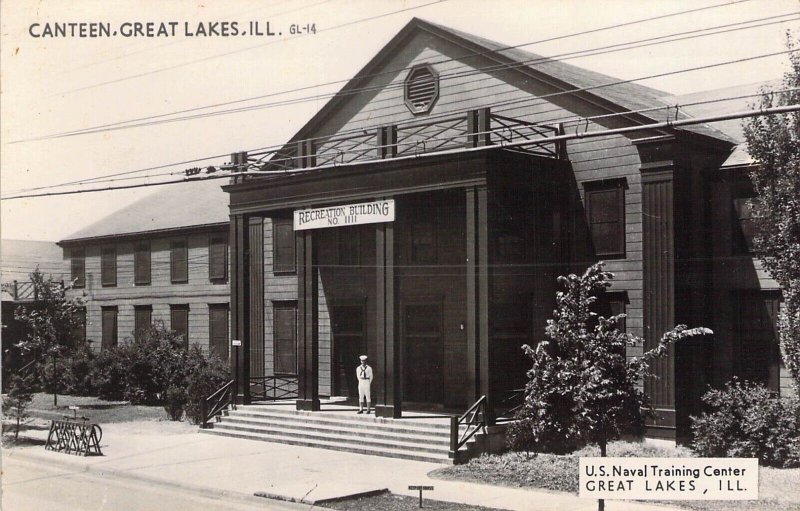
(52, 85)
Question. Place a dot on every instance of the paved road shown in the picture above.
(32, 487)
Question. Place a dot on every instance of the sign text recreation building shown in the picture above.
(340, 216)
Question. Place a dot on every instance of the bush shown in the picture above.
(174, 402)
(205, 376)
(142, 370)
(744, 419)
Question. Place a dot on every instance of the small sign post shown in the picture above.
(421, 488)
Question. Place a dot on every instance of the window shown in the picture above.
(285, 315)
(218, 329)
(218, 258)
(109, 327)
(611, 303)
(421, 89)
(179, 321)
(348, 246)
(756, 352)
(423, 241)
(743, 226)
(605, 212)
(141, 263)
(78, 266)
(142, 317)
(179, 262)
(283, 245)
(108, 266)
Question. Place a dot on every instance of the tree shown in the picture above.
(50, 323)
(773, 142)
(582, 388)
(16, 402)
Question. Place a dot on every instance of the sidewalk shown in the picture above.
(177, 454)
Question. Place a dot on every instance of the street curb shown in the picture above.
(317, 502)
(121, 474)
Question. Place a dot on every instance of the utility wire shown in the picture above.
(472, 54)
(501, 145)
(212, 57)
(141, 121)
(577, 119)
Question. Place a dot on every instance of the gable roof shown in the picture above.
(625, 96)
(179, 206)
(732, 127)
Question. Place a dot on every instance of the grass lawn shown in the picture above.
(34, 430)
(389, 502)
(96, 409)
(778, 488)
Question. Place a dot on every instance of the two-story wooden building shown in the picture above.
(422, 215)
(163, 258)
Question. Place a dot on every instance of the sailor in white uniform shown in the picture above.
(364, 375)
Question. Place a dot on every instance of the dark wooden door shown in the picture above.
(423, 346)
(348, 344)
(218, 329)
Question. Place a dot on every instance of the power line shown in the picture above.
(140, 121)
(577, 119)
(212, 57)
(500, 145)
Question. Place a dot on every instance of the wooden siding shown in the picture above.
(256, 274)
(198, 292)
(659, 285)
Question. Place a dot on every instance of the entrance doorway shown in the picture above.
(348, 343)
(423, 350)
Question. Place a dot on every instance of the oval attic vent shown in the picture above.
(421, 89)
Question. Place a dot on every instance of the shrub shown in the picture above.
(744, 419)
(205, 376)
(18, 399)
(174, 402)
(140, 371)
(79, 365)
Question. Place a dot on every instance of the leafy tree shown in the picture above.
(773, 142)
(50, 324)
(18, 399)
(582, 387)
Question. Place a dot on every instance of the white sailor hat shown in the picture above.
(362, 358)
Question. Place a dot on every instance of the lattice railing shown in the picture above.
(463, 428)
(273, 388)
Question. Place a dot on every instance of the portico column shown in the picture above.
(308, 323)
(240, 305)
(388, 361)
(482, 250)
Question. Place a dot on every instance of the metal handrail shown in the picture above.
(516, 398)
(213, 405)
(273, 388)
(473, 420)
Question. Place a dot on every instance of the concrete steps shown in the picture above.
(407, 438)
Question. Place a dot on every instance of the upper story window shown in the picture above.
(605, 214)
(77, 264)
(141, 263)
(283, 254)
(421, 89)
(743, 227)
(179, 262)
(108, 266)
(218, 258)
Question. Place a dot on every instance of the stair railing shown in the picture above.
(213, 405)
(273, 388)
(508, 407)
(473, 420)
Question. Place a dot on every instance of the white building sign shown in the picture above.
(669, 478)
(341, 216)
